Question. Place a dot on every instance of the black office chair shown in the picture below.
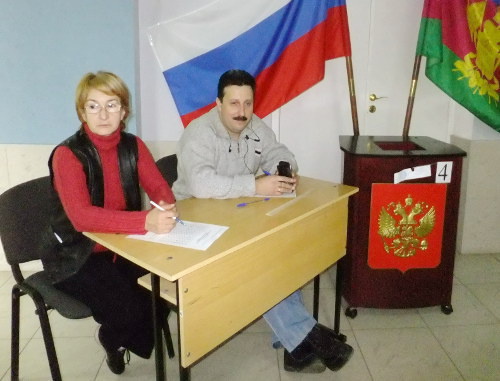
(168, 168)
(23, 217)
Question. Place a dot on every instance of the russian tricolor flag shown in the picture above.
(283, 43)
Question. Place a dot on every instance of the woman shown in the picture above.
(97, 174)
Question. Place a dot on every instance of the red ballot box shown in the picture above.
(402, 223)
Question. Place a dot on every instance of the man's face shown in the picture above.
(236, 109)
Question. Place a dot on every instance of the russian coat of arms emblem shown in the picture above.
(406, 225)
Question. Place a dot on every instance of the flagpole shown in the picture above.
(352, 95)
(411, 97)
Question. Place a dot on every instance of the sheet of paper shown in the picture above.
(444, 172)
(412, 173)
(192, 235)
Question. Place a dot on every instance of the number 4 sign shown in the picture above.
(444, 171)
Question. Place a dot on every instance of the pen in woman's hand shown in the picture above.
(162, 209)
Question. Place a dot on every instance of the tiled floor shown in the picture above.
(412, 344)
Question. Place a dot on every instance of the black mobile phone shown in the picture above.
(285, 169)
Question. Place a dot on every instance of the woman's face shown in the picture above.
(102, 112)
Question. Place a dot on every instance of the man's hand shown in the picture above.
(275, 185)
(159, 221)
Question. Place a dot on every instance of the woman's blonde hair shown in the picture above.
(109, 84)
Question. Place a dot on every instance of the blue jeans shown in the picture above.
(290, 321)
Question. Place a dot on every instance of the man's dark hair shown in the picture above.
(234, 77)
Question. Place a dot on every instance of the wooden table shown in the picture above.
(270, 250)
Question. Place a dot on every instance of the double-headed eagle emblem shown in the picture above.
(404, 228)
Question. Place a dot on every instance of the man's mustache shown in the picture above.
(241, 118)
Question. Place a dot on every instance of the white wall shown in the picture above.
(479, 219)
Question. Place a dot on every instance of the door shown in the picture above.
(383, 57)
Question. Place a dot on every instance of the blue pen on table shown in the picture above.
(162, 209)
(252, 202)
(266, 173)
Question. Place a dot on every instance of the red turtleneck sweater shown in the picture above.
(71, 185)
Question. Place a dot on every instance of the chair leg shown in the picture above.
(48, 339)
(14, 348)
(166, 330)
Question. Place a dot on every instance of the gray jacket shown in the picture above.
(211, 165)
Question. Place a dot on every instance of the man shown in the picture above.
(219, 155)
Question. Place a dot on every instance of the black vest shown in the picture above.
(68, 256)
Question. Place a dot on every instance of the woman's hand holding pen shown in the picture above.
(273, 185)
(162, 218)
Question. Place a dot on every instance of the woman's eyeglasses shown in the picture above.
(95, 108)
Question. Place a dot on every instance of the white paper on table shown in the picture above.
(192, 235)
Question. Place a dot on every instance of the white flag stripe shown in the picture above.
(183, 38)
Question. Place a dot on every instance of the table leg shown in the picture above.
(316, 298)
(338, 296)
(184, 373)
(157, 324)
(338, 301)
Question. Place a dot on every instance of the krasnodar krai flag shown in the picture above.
(461, 40)
(283, 43)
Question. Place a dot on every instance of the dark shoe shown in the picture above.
(116, 361)
(115, 357)
(324, 344)
(336, 362)
(307, 364)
